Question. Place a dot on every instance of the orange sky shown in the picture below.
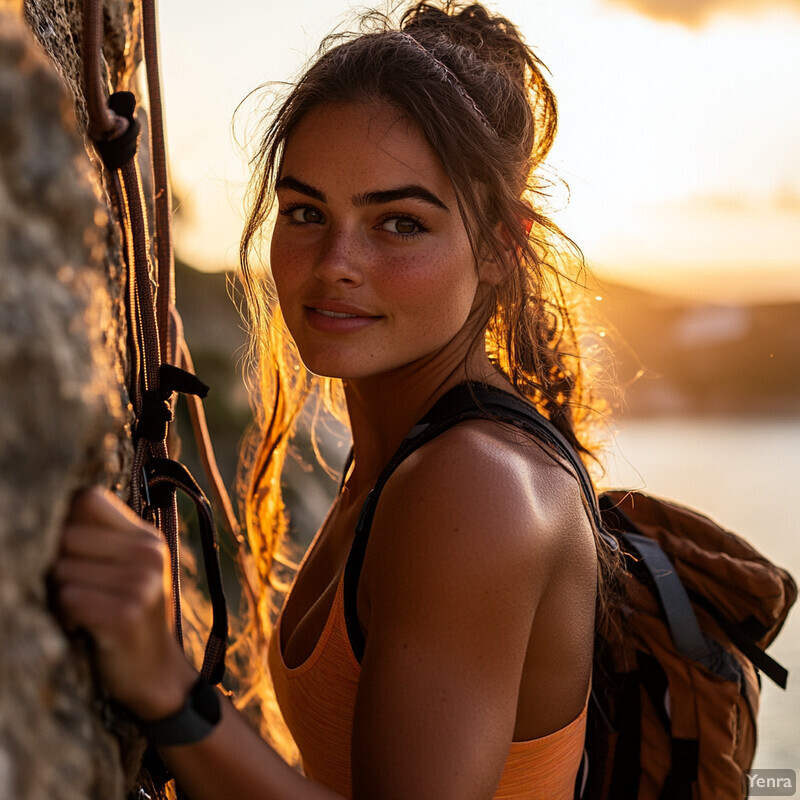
(679, 129)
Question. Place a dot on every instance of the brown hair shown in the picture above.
(479, 95)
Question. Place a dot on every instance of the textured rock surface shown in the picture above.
(57, 26)
(62, 406)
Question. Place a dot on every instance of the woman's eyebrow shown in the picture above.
(288, 182)
(400, 193)
(367, 198)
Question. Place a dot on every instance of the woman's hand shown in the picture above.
(110, 580)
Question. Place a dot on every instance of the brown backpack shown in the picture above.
(675, 687)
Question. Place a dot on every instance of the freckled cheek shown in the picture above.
(286, 265)
(434, 292)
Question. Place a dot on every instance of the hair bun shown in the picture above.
(492, 38)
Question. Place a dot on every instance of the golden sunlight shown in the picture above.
(677, 133)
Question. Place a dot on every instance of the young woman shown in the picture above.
(408, 256)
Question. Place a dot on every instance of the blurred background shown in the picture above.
(679, 132)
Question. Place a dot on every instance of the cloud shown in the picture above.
(718, 203)
(694, 13)
(782, 199)
(787, 200)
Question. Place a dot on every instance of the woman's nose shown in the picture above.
(342, 257)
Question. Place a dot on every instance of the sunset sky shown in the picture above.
(679, 129)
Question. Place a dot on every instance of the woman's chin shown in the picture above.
(333, 368)
(347, 369)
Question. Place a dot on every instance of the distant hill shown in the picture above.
(701, 358)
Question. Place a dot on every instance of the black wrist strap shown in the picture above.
(192, 722)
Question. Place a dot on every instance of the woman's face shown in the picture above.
(370, 256)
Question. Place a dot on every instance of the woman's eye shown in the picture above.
(301, 215)
(404, 226)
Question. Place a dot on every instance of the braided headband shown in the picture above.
(449, 77)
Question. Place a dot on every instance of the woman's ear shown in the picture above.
(493, 270)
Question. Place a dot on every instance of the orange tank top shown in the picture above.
(317, 700)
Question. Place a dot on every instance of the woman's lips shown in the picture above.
(334, 317)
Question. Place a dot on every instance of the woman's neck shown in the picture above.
(382, 409)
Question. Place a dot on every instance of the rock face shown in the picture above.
(63, 408)
(57, 24)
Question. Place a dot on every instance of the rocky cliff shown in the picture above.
(63, 408)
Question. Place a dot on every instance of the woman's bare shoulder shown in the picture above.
(497, 465)
(485, 491)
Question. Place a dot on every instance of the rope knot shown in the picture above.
(155, 416)
(119, 147)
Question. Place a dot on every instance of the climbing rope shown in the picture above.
(161, 364)
(160, 361)
(162, 194)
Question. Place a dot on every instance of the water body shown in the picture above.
(746, 475)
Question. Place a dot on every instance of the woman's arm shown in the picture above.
(234, 763)
(110, 579)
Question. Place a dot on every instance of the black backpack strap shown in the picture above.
(625, 765)
(678, 785)
(744, 636)
(463, 402)
(684, 628)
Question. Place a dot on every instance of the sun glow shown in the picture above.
(677, 141)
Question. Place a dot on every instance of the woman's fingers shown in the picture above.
(100, 529)
(109, 557)
(109, 578)
(106, 615)
(119, 541)
(133, 581)
(109, 584)
(101, 507)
